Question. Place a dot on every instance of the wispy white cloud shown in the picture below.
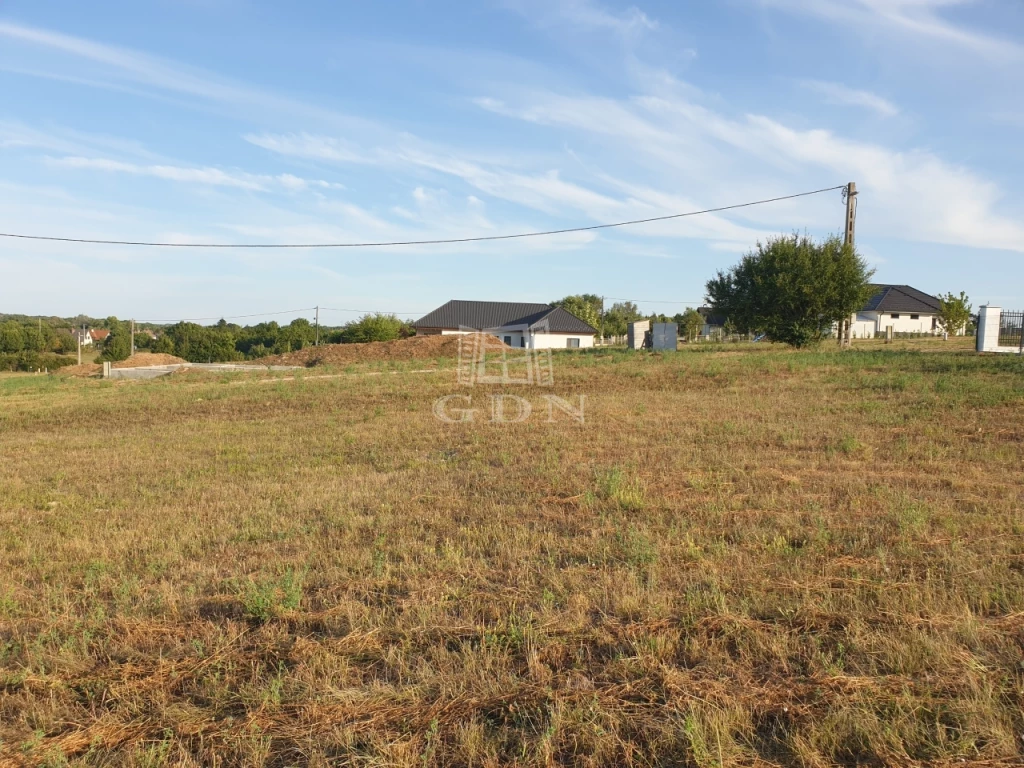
(206, 175)
(842, 95)
(631, 22)
(911, 195)
(121, 68)
(922, 19)
(546, 191)
(585, 14)
(311, 146)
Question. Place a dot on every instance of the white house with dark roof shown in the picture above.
(531, 326)
(906, 309)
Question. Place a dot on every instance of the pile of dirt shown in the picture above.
(413, 348)
(85, 369)
(140, 359)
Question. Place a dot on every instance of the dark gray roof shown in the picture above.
(711, 317)
(901, 298)
(491, 315)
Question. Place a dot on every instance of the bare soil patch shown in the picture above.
(85, 369)
(413, 348)
(138, 360)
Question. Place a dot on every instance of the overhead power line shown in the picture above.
(651, 301)
(448, 241)
(377, 311)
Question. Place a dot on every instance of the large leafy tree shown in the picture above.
(12, 337)
(618, 318)
(200, 343)
(118, 345)
(954, 313)
(586, 306)
(792, 289)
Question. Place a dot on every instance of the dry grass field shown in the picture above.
(744, 556)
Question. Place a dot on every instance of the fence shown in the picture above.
(1000, 331)
(1010, 329)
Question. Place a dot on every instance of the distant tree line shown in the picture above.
(226, 342)
(30, 343)
(614, 321)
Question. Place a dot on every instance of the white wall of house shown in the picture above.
(866, 324)
(560, 340)
(535, 340)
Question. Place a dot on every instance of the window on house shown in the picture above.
(508, 340)
(572, 343)
(915, 317)
(522, 341)
(895, 315)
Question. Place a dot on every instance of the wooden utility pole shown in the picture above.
(851, 211)
(317, 326)
(851, 225)
(133, 335)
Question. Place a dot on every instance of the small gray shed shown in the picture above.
(665, 336)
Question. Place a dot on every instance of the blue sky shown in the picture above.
(228, 121)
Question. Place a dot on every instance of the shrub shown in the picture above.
(33, 361)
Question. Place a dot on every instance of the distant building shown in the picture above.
(532, 326)
(906, 309)
(80, 335)
(99, 334)
(714, 323)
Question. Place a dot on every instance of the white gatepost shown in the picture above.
(988, 329)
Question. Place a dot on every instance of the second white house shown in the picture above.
(531, 326)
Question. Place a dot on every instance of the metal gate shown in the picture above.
(1011, 329)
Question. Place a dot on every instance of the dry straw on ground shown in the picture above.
(754, 558)
(413, 348)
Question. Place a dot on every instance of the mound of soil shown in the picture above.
(85, 369)
(137, 360)
(140, 359)
(413, 348)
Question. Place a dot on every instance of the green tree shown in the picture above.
(586, 306)
(299, 333)
(691, 323)
(118, 345)
(12, 337)
(792, 289)
(618, 318)
(164, 344)
(203, 344)
(954, 313)
(64, 343)
(375, 327)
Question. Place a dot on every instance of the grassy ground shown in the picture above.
(743, 556)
